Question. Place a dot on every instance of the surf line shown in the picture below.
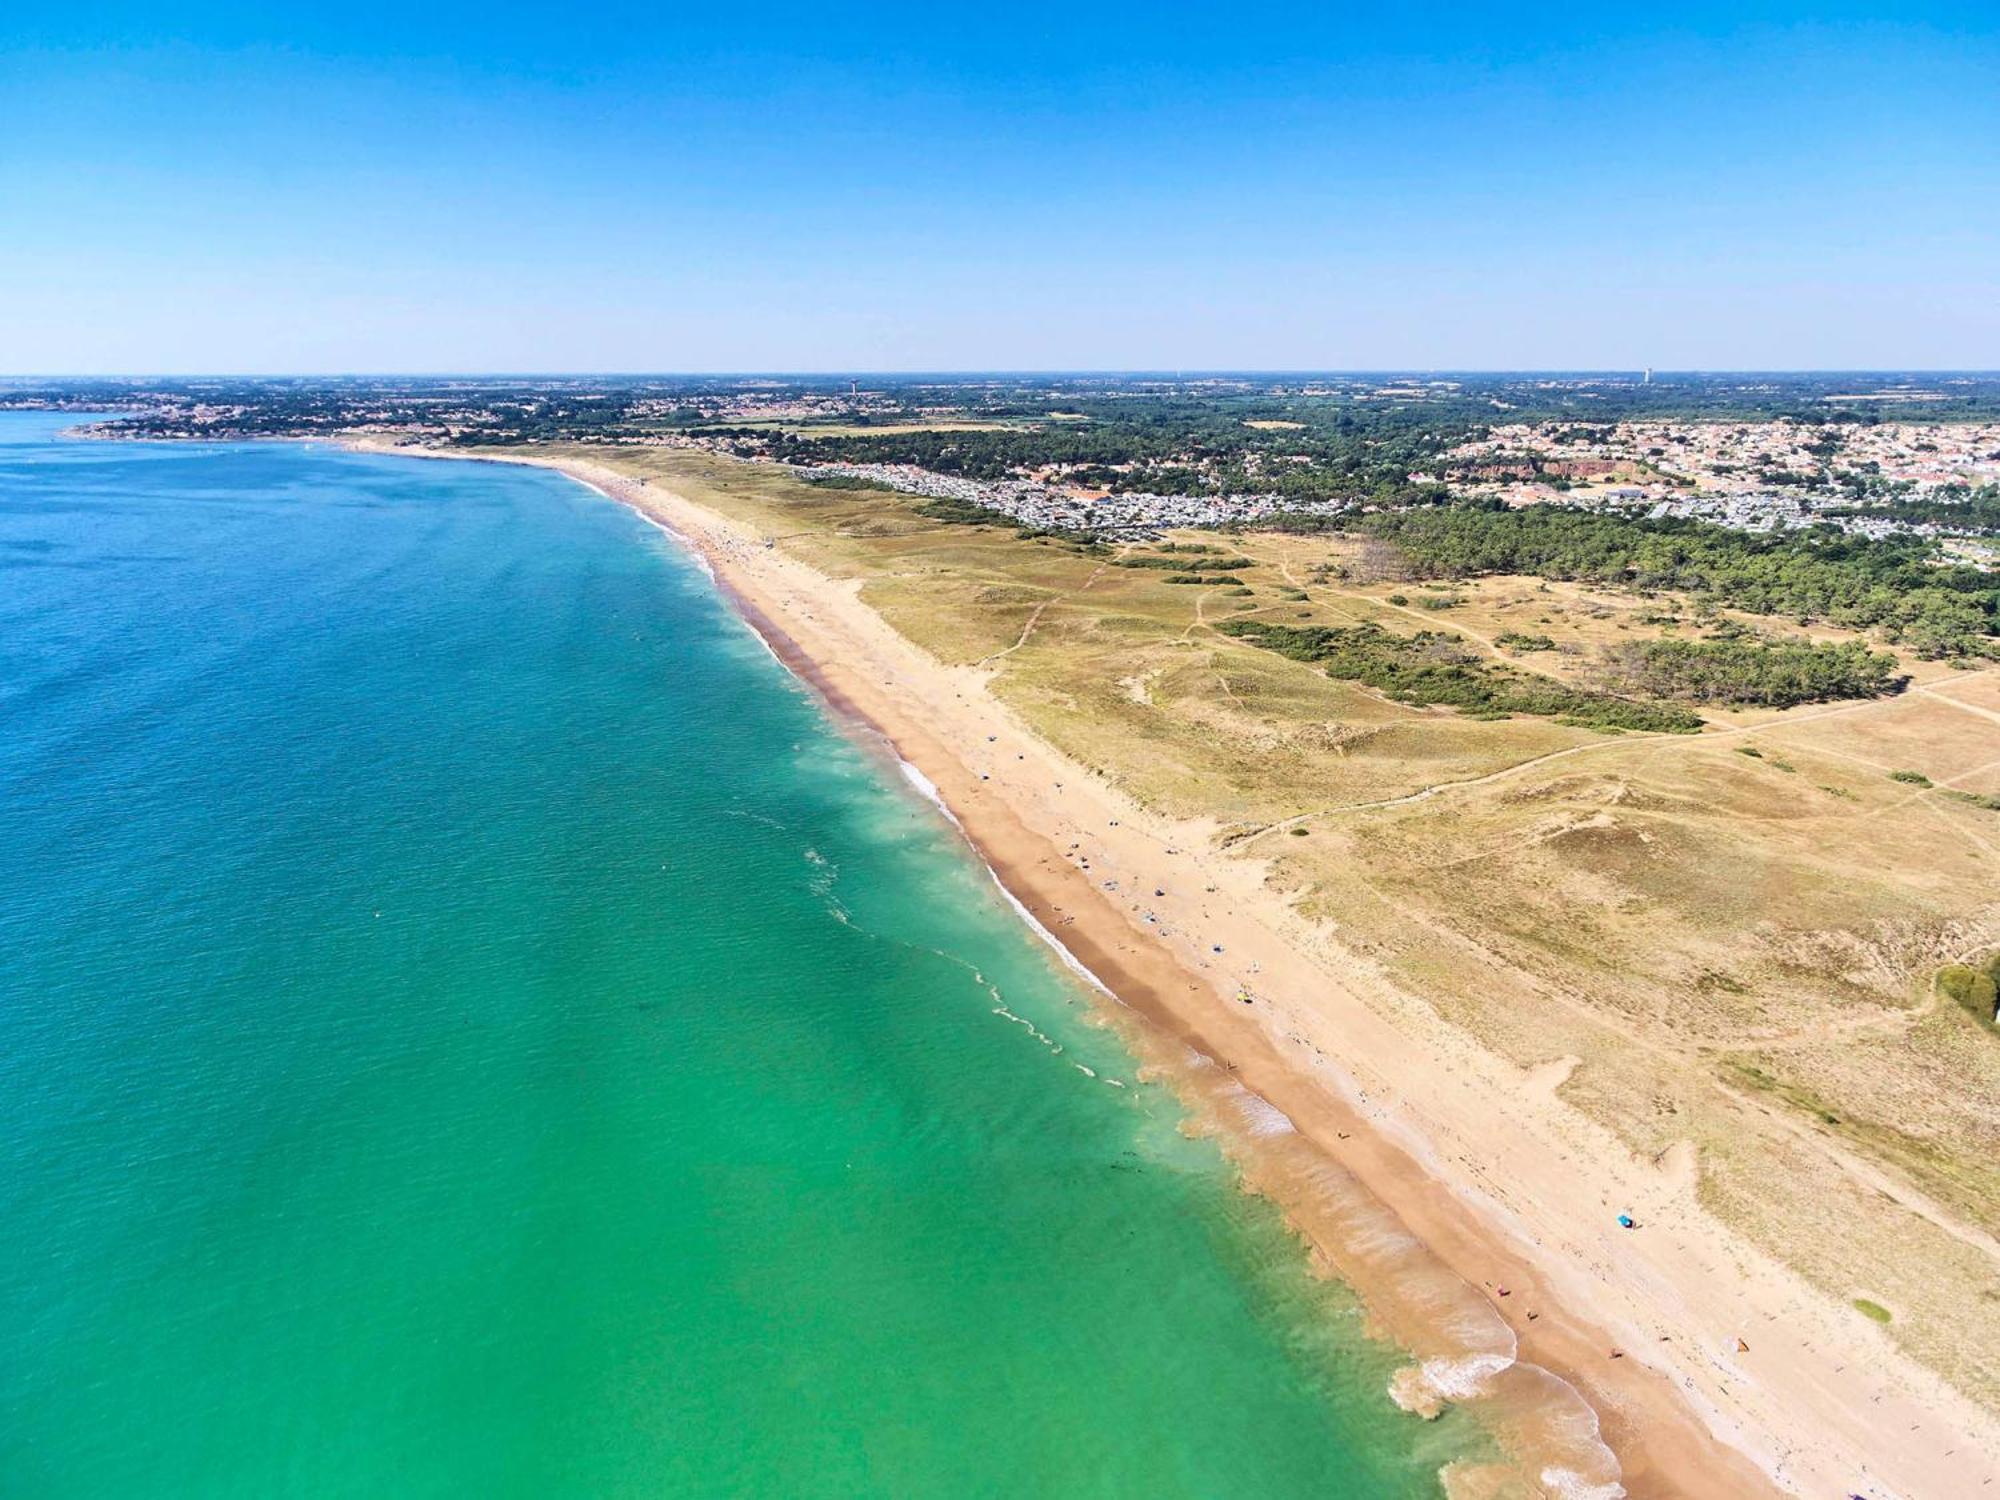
(686, 543)
(927, 789)
(764, 630)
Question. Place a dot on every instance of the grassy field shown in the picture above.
(1734, 933)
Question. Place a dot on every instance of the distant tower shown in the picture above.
(1649, 376)
(854, 386)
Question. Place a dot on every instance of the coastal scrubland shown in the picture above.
(1726, 936)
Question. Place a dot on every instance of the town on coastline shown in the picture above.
(1868, 456)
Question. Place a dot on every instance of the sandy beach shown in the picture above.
(1476, 1212)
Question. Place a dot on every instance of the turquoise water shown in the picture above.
(469, 1026)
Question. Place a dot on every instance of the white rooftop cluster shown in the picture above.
(1037, 505)
(1759, 476)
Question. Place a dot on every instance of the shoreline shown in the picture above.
(1312, 1100)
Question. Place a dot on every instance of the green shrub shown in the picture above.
(1975, 987)
(1176, 564)
(1910, 778)
(852, 482)
(1435, 668)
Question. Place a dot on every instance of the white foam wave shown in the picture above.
(698, 557)
(1567, 1484)
(1000, 1009)
(1069, 960)
(927, 789)
(685, 543)
(1462, 1377)
(1261, 1117)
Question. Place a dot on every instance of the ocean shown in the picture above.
(471, 1025)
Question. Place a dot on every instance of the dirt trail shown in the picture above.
(1035, 617)
(1618, 742)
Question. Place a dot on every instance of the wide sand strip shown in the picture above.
(1715, 1371)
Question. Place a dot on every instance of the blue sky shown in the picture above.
(439, 187)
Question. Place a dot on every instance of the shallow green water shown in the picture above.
(470, 1027)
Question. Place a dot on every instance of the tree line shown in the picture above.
(1745, 673)
(1897, 585)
